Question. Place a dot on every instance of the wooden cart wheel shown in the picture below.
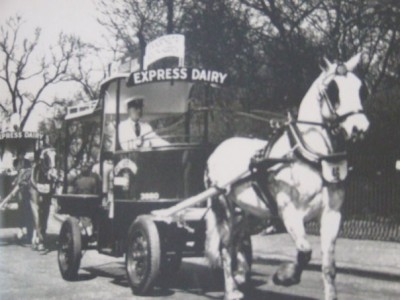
(69, 249)
(143, 255)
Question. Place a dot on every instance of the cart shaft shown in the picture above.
(199, 198)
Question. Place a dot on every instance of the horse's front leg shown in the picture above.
(290, 273)
(34, 203)
(330, 225)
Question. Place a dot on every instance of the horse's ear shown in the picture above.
(325, 64)
(352, 63)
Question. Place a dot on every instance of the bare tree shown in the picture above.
(133, 23)
(88, 69)
(20, 67)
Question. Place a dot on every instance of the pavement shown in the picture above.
(366, 270)
(361, 257)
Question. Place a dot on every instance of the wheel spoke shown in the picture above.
(139, 255)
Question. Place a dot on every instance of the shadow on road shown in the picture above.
(348, 270)
(85, 277)
(263, 294)
(192, 278)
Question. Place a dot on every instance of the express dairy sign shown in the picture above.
(188, 74)
(19, 135)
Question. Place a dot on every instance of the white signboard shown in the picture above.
(172, 45)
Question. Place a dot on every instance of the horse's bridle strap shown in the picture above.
(312, 123)
(343, 117)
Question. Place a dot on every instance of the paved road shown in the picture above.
(367, 270)
(25, 274)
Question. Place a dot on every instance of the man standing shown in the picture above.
(133, 133)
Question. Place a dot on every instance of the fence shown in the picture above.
(372, 204)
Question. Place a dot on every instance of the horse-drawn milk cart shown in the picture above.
(166, 166)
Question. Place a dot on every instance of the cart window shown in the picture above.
(84, 146)
(165, 106)
(160, 98)
(109, 121)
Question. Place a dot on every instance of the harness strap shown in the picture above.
(302, 148)
(343, 117)
(259, 166)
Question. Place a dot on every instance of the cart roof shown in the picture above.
(82, 110)
(164, 91)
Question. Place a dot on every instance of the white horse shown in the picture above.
(299, 177)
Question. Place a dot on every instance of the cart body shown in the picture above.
(141, 178)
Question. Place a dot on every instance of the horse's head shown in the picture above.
(341, 95)
(47, 161)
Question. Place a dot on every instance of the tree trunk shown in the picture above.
(170, 16)
(142, 46)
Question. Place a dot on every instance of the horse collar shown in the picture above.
(333, 166)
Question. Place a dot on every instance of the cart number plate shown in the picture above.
(121, 181)
(149, 196)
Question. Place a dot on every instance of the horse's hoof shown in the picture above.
(287, 274)
(41, 247)
(235, 295)
(240, 279)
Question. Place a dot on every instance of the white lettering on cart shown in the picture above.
(178, 74)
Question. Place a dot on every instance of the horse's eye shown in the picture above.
(333, 93)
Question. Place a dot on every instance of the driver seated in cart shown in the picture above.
(134, 133)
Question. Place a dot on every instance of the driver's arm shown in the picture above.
(150, 136)
(123, 137)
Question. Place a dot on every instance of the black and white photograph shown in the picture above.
(200, 149)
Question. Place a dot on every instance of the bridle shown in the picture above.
(47, 166)
(335, 120)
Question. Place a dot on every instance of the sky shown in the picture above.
(76, 17)
(71, 16)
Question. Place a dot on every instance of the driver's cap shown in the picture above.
(134, 102)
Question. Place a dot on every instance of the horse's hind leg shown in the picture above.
(242, 266)
(225, 226)
(290, 273)
(330, 224)
(44, 211)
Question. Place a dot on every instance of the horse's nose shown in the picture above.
(357, 134)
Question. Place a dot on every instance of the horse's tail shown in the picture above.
(213, 238)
